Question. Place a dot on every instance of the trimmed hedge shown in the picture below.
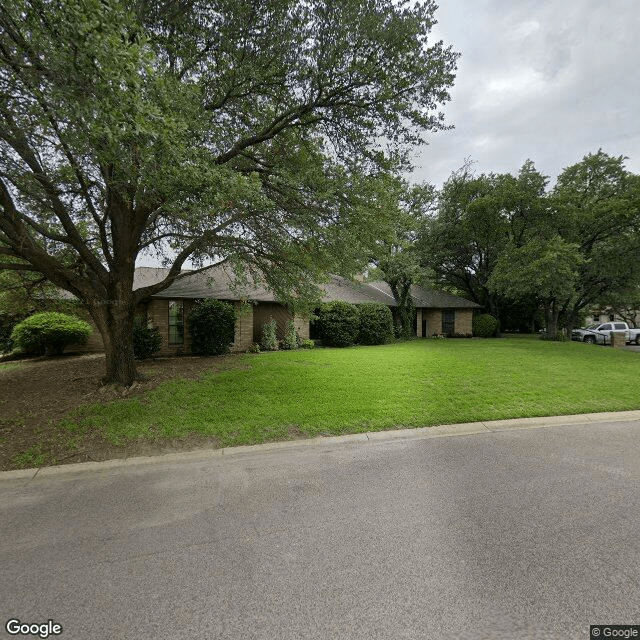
(49, 333)
(485, 326)
(338, 323)
(212, 325)
(376, 323)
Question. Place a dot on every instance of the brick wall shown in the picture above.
(434, 321)
(464, 321)
(262, 313)
(302, 327)
(265, 310)
(244, 327)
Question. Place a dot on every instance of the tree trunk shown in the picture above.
(114, 319)
(552, 312)
(403, 312)
(572, 321)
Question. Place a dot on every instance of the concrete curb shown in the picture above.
(440, 431)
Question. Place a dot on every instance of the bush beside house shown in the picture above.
(49, 332)
(147, 341)
(291, 340)
(485, 326)
(376, 323)
(212, 326)
(338, 323)
(269, 341)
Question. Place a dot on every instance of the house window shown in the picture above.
(448, 321)
(176, 322)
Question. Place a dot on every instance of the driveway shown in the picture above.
(516, 533)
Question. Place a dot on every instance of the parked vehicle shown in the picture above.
(600, 333)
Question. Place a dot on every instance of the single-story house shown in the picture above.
(437, 312)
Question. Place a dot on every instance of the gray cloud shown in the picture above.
(550, 81)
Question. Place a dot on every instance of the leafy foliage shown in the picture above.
(485, 326)
(212, 327)
(290, 336)
(597, 204)
(7, 323)
(269, 340)
(147, 341)
(376, 323)
(249, 132)
(396, 257)
(477, 219)
(508, 244)
(49, 332)
(546, 269)
(339, 324)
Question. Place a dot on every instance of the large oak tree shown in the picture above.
(205, 131)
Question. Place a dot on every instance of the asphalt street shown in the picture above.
(491, 532)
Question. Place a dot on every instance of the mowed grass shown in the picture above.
(278, 396)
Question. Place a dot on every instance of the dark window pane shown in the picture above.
(448, 322)
(176, 322)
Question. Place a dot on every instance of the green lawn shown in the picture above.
(413, 384)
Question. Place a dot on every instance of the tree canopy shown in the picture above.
(396, 258)
(204, 131)
(510, 244)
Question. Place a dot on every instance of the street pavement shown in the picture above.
(505, 530)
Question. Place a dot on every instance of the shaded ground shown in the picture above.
(36, 394)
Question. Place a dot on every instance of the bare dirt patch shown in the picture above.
(36, 394)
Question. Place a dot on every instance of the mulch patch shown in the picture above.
(38, 393)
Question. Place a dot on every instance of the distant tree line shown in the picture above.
(530, 255)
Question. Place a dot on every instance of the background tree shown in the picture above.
(477, 219)
(544, 269)
(624, 303)
(226, 130)
(396, 257)
(596, 204)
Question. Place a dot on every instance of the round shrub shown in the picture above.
(338, 323)
(49, 333)
(485, 326)
(376, 323)
(146, 342)
(212, 325)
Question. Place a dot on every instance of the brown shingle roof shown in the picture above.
(339, 288)
(219, 282)
(216, 282)
(429, 298)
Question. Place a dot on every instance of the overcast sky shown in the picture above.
(549, 80)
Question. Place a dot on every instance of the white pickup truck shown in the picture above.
(601, 333)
